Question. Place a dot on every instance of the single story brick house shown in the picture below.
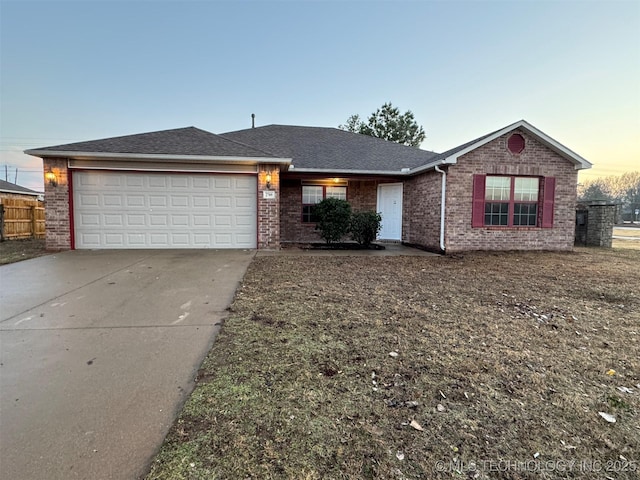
(512, 189)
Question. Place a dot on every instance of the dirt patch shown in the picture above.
(17, 250)
(486, 365)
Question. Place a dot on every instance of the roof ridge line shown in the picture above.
(122, 136)
(222, 135)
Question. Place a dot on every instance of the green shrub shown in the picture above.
(365, 227)
(333, 217)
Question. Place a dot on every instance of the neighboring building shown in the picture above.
(21, 212)
(11, 191)
(513, 189)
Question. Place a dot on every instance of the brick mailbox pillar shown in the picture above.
(594, 224)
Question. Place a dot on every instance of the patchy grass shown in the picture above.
(628, 244)
(502, 358)
(627, 238)
(626, 232)
(16, 250)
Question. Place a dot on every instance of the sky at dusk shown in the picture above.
(83, 70)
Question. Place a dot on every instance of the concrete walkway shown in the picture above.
(99, 350)
(390, 250)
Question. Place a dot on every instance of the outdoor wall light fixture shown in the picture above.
(268, 179)
(51, 178)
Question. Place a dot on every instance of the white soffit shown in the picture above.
(149, 166)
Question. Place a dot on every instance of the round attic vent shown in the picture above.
(515, 144)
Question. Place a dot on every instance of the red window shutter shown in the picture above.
(477, 214)
(549, 194)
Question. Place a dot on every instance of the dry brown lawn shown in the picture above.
(17, 250)
(504, 361)
(627, 232)
(627, 238)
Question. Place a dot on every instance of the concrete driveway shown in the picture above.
(98, 351)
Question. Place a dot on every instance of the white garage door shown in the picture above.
(157, 210)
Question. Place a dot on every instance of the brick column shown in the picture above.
(268, 208)
(600, 221)
(56, 205)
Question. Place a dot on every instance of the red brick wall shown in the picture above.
(56, 204)
(268, 208)
(361, 194)
(494, 158)
(291, 227)
(421, 210)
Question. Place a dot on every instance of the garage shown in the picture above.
(179, 188)
(113, 209)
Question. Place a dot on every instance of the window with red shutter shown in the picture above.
(477, 214)
(512, 201)
(548, 201)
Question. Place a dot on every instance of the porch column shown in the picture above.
(57, 207)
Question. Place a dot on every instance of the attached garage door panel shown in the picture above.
(154, 210)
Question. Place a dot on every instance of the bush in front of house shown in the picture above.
(333, 217)
(365, 227)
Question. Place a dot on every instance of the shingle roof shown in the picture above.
(331, 148)
(13, 188)
(179, 141)
(309, 148)
(459, 148)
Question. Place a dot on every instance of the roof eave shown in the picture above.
(333, 172)
(18, 192)
(432, 165)
(155, 157)
(579, 162)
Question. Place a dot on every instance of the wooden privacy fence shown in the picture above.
(21, 219)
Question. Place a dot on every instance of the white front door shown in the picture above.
(390, 208)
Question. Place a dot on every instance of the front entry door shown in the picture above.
(390, 208)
